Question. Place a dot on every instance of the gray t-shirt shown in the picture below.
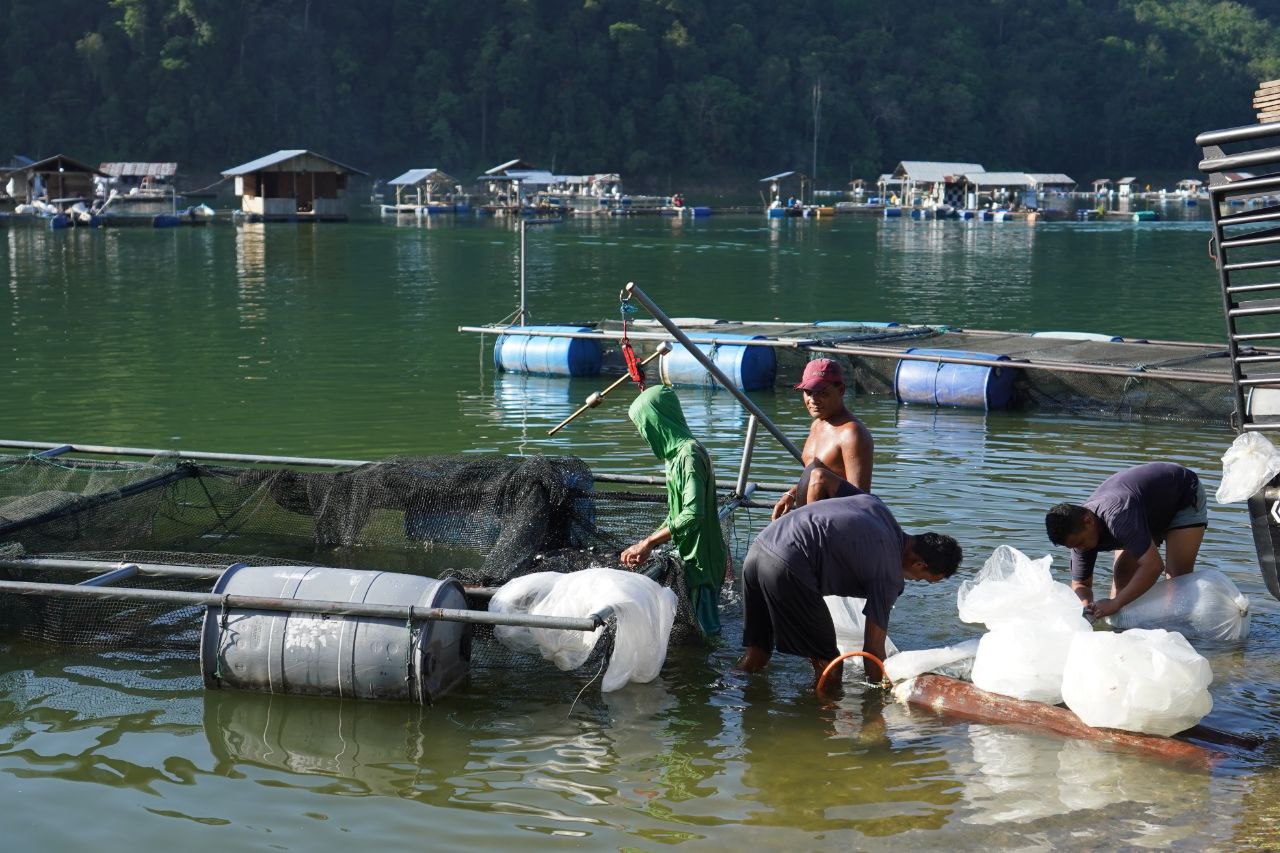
(1135, 508)
(848, 546)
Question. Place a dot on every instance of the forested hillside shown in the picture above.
(704, 90)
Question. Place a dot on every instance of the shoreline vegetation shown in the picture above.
(674, 94)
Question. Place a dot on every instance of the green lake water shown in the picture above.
(341, 341)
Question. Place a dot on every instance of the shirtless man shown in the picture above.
(837, 440)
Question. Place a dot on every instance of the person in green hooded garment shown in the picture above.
(692, 522)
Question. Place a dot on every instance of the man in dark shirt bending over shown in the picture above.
(1130, 514)
(846, 546)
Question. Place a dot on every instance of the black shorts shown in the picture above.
(781, 612)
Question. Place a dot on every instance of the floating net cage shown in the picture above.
(1169, 393)
(482, 520)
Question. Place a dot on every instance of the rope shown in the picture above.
(202, 189)
(634, 370)
(822, 679)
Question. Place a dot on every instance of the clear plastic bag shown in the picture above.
(955, 660)
(846, 615)
(644, 609)
(1202, 605)
(1249, 464)
(1024, 660)
(1148, 681)
(1012, 587)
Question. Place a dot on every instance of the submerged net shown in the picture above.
(480, 519)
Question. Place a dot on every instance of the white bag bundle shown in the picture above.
(644, 609)
(1031, 618)
(1148, 681)
(1202, 605)
(1012, 587)
(946, 660)
(846, 615)
(1249, 464)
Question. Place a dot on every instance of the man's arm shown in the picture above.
(1145, 575)
(857, 452)
(1083, 590)
(639, 552)
(873, 639)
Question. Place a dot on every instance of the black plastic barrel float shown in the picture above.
(955, 698)
(942, 383)
(548, 355)
(335, 655)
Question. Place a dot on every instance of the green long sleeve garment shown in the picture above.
(691, 499)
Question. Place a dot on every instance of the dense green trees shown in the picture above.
(658, 89)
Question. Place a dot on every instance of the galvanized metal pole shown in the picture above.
(522, 311)
(748, 445)
(335, 608)
(667, 323)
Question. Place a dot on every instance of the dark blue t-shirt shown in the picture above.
(849, 546)
(1134, 508)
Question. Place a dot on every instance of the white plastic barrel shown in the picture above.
(273, 651)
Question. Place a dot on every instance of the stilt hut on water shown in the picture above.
(58, 180)
(292, 185)
(422, 188)
(927, 182)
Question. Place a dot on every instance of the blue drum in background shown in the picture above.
(751, 368)
(967, 386)
(548, 355)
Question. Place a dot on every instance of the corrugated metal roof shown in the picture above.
(415, 176)
(998, 179)
(57, 161)
(510, 164)
(1052, 179)
(929, 172)
(777, 177)
(283, 156)
(1126, 180)
(139, 170)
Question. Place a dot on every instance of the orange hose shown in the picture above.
(822, 679)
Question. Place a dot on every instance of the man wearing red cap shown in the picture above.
(838, 442)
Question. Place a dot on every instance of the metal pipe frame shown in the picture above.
(631, 291)
(332, 608)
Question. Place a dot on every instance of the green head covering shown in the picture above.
(660, 420)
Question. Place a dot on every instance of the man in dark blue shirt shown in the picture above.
(845, 546)
(1131, 513)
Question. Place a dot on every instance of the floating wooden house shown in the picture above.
(927, 182)
(1051, 182)
(423, 191)
(292, 185)
(58, 180)
(141, 181)
(1006, 189)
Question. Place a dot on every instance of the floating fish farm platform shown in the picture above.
(1070, 372)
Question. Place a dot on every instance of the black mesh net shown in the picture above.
(480, 519)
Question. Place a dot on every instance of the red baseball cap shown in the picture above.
(820, 373)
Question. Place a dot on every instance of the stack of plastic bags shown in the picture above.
(644, 609)
(1031, 621)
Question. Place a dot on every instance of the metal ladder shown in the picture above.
(1246, 247)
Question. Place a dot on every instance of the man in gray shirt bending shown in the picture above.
(846, 546)
(1130, 514)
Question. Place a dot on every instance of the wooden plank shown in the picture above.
(1266, 102)
(1269, 90)
(1268, 84)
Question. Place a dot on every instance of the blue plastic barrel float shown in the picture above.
(777, 213)
(701, 211)
(548, 355)
(59, 221)
(892, 212)
(966, 386)
(751, 368)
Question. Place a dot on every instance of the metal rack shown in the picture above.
(1246, 251)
